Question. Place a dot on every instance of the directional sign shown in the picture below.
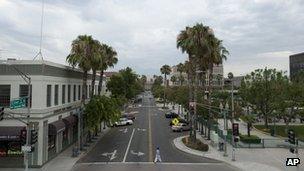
(18, 103)
(138, 153)
(175, 121)
(110, 155)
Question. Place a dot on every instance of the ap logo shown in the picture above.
(292, 161)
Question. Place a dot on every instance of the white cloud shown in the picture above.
(257, 33)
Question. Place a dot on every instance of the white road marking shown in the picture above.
(124, 130)
(163, 163)
(126, 153)
(112, 155)
(140, 129)
(137, 154)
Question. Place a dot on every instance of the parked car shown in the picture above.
(171, 115)
(129, 116)
(123, 121)
(180, 127)
(180, 121)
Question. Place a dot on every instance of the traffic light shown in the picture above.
(34, 136)
(23, 136)
(191, 107)
(291, 137)
(235, 129)
(1, 113)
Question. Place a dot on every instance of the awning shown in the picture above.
(8, 133)
(56, 127)
(70, 121)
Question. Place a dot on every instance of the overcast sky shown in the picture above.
(258, 33)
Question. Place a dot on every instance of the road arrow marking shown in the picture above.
(110, 155)
(139, 129)
(124, 130)
(137, 154)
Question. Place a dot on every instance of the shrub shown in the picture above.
(253, 139)
(198, 145)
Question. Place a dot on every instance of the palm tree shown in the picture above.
(96, 62)
(143, 80)
(203, 50)
(109, 60)
(166, 70)
(81, 54)
(180, 69)
(173, 79)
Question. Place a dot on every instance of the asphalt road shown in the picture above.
(133, 147)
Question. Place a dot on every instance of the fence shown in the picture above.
(264, 143)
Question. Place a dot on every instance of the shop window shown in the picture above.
(23, 92)
(14, 149)
(69, 93)
(56, 95)
(79, 92)
(48, 95)
(5, 94)
(74, 93)
(63, 94)
(52, 142)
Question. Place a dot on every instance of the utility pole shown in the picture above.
(28, 131)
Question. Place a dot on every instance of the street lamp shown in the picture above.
(230, 76)
(27, 79)
(225, 125)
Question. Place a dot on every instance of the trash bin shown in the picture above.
(272, 132)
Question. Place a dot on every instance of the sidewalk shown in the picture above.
(64, 161)
(248, 159)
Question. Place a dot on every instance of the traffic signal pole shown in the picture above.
(28, 133)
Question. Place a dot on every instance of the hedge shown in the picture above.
(253, 139)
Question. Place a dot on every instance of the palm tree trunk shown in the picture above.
(93, 83)
(100, 82)
(165, 85)
(84, 86)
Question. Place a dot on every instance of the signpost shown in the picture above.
(18, 103)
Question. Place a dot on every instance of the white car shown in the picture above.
(123, 121)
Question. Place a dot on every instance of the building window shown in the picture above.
(69, 93)
(5, 94)
(79, 92)
(74, 93)
(89, 91)
(48, 95)
(56, 95)
(23, 92)
(63, 94)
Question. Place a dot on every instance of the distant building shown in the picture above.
(237, 80)
(296, 63)
(217, 74)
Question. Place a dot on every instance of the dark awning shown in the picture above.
(56, 127)
(10, 133)
(70, 121)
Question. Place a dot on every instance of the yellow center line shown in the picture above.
(150, 137)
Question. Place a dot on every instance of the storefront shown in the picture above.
(55, 137)
(70, 130)
(10, 147)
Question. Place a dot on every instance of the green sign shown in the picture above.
(18, 103)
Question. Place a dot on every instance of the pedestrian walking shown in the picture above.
(157, 156)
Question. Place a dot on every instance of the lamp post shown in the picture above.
(230, 76)
(225, 126)
(27, 79)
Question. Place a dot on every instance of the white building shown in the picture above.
(55, 103)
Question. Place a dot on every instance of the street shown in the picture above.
(133, 147)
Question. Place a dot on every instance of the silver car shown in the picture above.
(180, 127)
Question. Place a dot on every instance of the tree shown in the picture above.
(173, 79)
(125, 84)
(166, 70)
(260, 90)
(82, 52)
(249, 119)
(109, 59)
(181, 69)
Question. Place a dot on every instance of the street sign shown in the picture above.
(18, 103)
(26, 148)
(175, 121)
